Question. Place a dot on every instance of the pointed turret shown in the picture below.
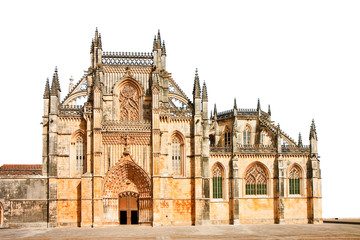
(215, 112)
(158, 43)
(300, 140)
(159, 52)
(313, 138)
(204, 93)
(313, 134)
(163, 49)
(96, 50)
(269, 111)
(235, 107)
(196, 90)
(55, 85)
(154, 43)
(47, 89)
(258, 105)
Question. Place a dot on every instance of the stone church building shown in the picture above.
(127, 146)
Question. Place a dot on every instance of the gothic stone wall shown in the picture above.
(24, 201)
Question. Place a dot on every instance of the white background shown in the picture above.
(302, 57)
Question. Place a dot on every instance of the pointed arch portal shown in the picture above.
(127, 194)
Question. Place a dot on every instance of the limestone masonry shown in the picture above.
(127, 146)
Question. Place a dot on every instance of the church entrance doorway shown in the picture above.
(129, 208)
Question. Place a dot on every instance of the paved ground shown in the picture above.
(306, 231)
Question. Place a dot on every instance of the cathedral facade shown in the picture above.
(127, 146)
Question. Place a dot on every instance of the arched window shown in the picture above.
(217, 178)
(294, 180)
(176, 154)
(80, 154)
(246, 136)
(227, 137)
(256, 180)
(262, 137)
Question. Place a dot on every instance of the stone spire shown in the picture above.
(204, 93)
(154, 43)
(300, 140)
(313, 134)
(235, 107)
(258, 105)
(55, 85)
(215, 112)
(163, 49)
(47, 89)
(158, 42)
(269, 111)
(196, 90)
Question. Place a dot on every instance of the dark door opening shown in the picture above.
(128, 207)
(123, 217)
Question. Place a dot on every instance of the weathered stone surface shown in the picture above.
(138, 136)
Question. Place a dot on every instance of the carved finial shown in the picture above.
(196, 90)
(154, 43)
(71, 85)
(269, 111)
(100, 43)
(258, 105)
(313, 134)
(215, 112)
(163, 50)
(204, 93)
(47, 89)
(55, 85)
(158, 40)
(300, 141)
(235, 105)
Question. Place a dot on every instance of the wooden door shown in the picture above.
(128, 207)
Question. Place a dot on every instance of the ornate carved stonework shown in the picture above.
(129, 103)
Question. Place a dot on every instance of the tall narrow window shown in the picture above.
(176, 155)
(227, 139)
(217, 182)
(294, 181)
(262, 138)
(246, 136)
(256, 180)
(80, 154)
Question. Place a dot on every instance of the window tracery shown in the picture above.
(80, 154)
(256, 180)
(129, 99)
(246, 136)
(217, 177)
(176, 150)
(294, 180)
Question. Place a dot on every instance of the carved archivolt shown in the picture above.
(126, 176)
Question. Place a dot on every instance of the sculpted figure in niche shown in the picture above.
(129, 103)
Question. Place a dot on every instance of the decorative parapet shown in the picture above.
(256, 148)
(242, 112)
(295, 149)
(214, 149)
(128, 58)
(71, 111)
(121, 126)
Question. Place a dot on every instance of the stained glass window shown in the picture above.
(255, 181)
(217, 182)
(294, 181)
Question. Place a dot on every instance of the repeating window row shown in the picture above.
(256, 180)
